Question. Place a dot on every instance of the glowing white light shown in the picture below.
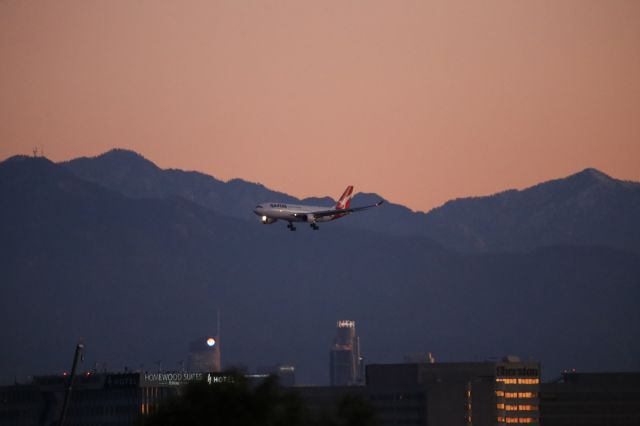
(211, 341)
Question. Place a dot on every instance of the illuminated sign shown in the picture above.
(346, 324)
(517, 371)
(131, 380)
(171, 378)
(212, 378)
(180, 378)
(289, 368)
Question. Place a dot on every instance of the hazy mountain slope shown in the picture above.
(140, 278)
(588, 208)
(135, 176)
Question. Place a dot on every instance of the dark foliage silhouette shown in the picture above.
(237, 403)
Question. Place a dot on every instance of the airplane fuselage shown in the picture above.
(292, 212)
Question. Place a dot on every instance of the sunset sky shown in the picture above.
(418, 101)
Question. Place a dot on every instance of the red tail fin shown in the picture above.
(345, 200)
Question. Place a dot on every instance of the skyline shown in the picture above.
(420, 103)
(114, 253)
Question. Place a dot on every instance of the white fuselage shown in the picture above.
(292, 212)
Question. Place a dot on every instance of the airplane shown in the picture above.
(271, 212)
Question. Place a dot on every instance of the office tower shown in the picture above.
(345, 361)
(204, 353)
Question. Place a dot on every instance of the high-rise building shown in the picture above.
(345, 361)
(204, 355)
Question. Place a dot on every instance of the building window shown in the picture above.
(521, 420)
(527, 407)
(528, 381)
(518, 381)
(524, 395)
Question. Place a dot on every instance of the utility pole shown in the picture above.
(77, 357)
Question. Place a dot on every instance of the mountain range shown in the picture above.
(587, 208)
(136, 260)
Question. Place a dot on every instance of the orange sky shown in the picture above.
(418, 101)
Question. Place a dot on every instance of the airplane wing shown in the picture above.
(332, 212)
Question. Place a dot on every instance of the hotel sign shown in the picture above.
(181, 378)
(130, 380)
(502, 371)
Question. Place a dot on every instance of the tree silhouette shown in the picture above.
(237, 403)
(230, 403)
(355, 411)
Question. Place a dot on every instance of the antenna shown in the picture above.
(35, 151)
(218, 360)
(218, 324)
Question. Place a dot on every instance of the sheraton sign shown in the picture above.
(502, 371)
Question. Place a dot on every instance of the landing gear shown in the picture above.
(291, 227)
(314, 227)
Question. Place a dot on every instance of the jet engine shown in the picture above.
(267, 220)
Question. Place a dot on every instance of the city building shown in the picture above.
(97, 398)
(115, 399)
(430, 393)
(590, 399)
(204, 355)
(419, 357)
(478, 393)
(286, 373)
(346, 366)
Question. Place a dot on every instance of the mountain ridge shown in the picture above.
(588, 207)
